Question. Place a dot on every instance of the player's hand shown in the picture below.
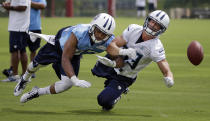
(80, 83)
(130, 52)
(106, 61)
(168, 81)
(6, 5)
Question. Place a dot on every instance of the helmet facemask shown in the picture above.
(159, 17)
(150, 30)
(93, 37)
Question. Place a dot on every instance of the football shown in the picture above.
(195, 53)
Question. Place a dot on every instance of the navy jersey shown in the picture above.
(84, 41)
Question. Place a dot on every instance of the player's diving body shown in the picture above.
(145, 40)
(65, 53)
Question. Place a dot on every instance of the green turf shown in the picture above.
(148, 100)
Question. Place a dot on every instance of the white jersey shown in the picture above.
(151, 1)
(19, 20)
(148, 51)
(140, 3)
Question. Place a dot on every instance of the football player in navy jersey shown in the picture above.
(65, 50)
(122, 72)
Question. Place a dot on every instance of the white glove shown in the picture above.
(168, 81)
(80, 83)
(130, 52)
(106, 61)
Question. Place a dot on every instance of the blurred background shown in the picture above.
(77, 8)
(148, 99)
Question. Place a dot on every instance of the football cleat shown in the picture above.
(14, 78)
(33, 75)
(30, 95)
(7, 72)
(126, 91)
(21, 85)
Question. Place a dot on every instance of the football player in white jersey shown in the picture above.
(65, 50)
(145, 40)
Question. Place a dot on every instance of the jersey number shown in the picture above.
(134, 63)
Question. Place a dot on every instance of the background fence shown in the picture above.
(127, 8)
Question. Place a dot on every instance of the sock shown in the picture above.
(144, 13)
(26, 75)
(138, 13)
(44, 91)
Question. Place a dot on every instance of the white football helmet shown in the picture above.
(105, 23)
(161, 18)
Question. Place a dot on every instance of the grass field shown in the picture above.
(148, 100)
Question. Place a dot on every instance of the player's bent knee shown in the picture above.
(104, 100)
(108, 98)
(63, 85)
(106, 103)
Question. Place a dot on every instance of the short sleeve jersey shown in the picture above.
(147, 51)
(19, 21)
(84, 46)
(35, 17)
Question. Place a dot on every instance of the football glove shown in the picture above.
(169, 82)
(130, 52)
(80, 83)
(106, 61)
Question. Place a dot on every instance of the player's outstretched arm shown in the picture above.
(168, 75)
(68, 53)
(114, 50)
(117, 61)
